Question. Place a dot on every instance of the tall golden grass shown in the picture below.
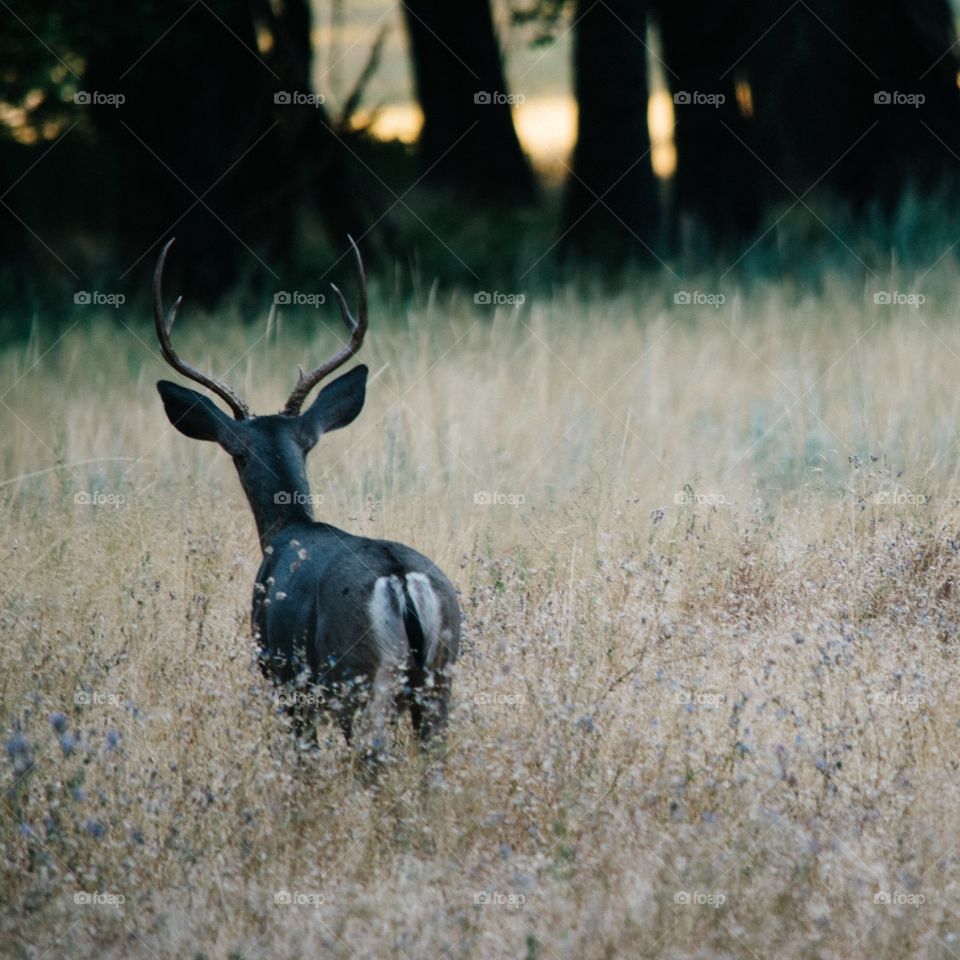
(707, 702)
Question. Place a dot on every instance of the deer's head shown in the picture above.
(269, 451)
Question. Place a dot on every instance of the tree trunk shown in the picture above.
(878, 110)
(714, 189)
(321, 167)
(468, 142)
(611, 206)
(202, 119)
(188, 144)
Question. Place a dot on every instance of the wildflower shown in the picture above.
(18, 750)
(95, 828)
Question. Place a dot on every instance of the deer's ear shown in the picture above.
(337, 404)
(192, 413)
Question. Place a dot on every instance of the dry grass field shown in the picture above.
(709, 560)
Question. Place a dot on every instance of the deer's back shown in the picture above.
(313, 604)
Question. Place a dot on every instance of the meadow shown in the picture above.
(706, 707)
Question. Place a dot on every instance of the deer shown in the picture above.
(370, 627)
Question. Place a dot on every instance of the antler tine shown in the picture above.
(357, 328)
(164, 325)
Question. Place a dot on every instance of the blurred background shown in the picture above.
(509, 146)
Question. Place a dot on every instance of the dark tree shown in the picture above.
(714, 194)
(323, 168)
(189, 148)
(182, 133)
(611, 209)
(860, 105)
(468, 142)
(211, 144)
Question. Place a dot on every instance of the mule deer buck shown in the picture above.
(366, 623)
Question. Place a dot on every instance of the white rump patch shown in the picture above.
(427, 605)
(386, 619)
(387, 607)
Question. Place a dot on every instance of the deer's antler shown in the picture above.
(165, 324)
(357, 328)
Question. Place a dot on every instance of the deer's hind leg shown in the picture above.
(373, 724)
(429, 707)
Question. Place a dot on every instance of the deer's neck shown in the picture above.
(273, 512)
